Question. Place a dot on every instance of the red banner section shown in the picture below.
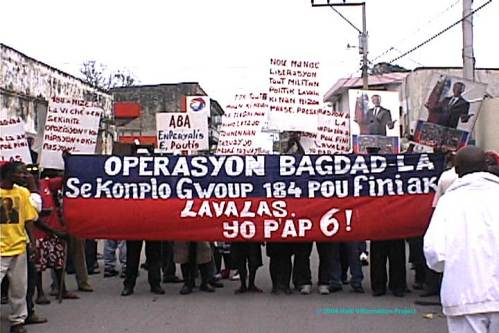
(253, 198)
(252, 220)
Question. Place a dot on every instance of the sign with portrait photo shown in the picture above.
(375, 120)
(448, 114)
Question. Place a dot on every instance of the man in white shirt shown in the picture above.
(462, 241)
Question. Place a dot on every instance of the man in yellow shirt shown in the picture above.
(15, 202)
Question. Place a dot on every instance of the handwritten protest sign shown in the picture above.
(72, 125)
(13, 142)
(254, 198)
(180, 131)
(242, 123)
(294, 96)
(332, 135)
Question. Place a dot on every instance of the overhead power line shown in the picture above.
(439, 33)
(438, 15)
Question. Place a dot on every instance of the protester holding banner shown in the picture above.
(168, 266)
(280, 266)
(463, 243)
(325, 251)
(25, 178)
(394, 252)
(352, 260)
(302, 276)
(51, 239)
(191, 256)
(110, 248)
(153, 255)
(13, 258)
(76, 245)
(247, 257)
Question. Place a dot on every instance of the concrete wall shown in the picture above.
(487, 125)
(27, 84)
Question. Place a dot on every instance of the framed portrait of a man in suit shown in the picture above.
(448, 114)
(374, 115)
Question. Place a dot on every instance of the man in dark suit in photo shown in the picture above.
(379, 117)
(455, 107)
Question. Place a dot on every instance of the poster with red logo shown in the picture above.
(186, 130)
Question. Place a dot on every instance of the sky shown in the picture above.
(226, 45)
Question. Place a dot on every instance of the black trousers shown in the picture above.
(433, 281)
(189, 269)
(280, 264)
(301, 264)
(90, 254)
(343, 253)
(416, 257)
(325, 251)
(167, 263)
(153, 255)
(394, 252)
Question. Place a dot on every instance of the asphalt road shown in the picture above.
(106, 311)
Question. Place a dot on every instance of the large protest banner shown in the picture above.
(72, 125)
(242, 124)
(294, 96)
(253, 198)
(13, 142)
(186, 130)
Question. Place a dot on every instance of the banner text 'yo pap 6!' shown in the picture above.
(253, 198)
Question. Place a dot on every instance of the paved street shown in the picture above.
(107, 312)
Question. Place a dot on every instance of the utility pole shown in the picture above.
(363, 38)
(363, 48)
(468, 56)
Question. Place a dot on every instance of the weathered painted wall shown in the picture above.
(23, 79)
(27, 84)
(487, 125)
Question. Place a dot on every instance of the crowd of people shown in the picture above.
(33, 239)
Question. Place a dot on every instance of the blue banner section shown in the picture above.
(269, 176)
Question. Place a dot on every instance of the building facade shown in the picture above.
(27, 84)
(136, 107)
(413, 88)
